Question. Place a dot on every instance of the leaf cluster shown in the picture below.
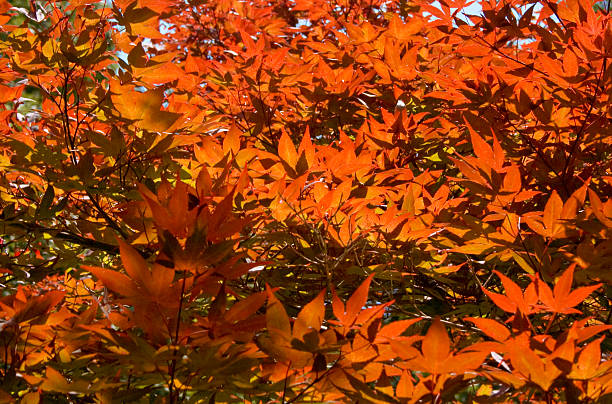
(305, 201)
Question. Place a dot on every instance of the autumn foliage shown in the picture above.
(357, 201)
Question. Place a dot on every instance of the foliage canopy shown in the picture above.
(305, 201)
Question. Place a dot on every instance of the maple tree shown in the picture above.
(305, 201)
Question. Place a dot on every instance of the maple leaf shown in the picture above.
(589, 364)
(304, 145)
(562, 299)
(347, 315)
(514, 299)
(437, 358)
(144, 108)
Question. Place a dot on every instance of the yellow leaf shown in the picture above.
(522, 263)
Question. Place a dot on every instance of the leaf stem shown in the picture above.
(175, 343)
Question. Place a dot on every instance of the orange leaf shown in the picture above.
(545, 293)
(286, 150)
(404, 349)
(598, 209)
(491, 328)
(395, 328)
(570, 63)
(310, 317)
(513, 299)
(464, 362)
(498, 154)
(576, 201)
(231, 140)
(564, 284)
(436, 345)
(481, 148)
(564, 299)
(144, 108)
(501, 301)
(220, 215)
(245, 308)
(307, 149)
(338, 307)
(115, 281)
(358, 300)
(134, 264)
(159, 74)
(512, 180)
(552, 211)
(161, 280)
(577, 296)
(277, 320)
(588, 361)
(54, 381)
(404, 387)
